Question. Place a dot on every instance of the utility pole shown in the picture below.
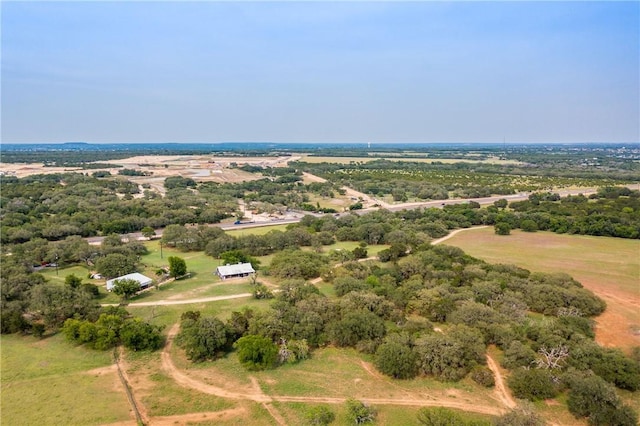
(161, 249)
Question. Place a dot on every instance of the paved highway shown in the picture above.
(395, 207)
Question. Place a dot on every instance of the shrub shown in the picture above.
(534, 384)
(595, 399)
(139, 336)
(359, 412)
(256, 352)
(438, 416)
(319, 416)
(528, 225)
(483, 376)
(396, 359)
(502, 228)
(520, 416)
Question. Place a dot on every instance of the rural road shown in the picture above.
(390, 207)
(185, 301)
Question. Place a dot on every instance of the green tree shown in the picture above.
(523, 415)
(126, 288)
(533, 384)
(73, 281)
(518, 355)
(148, 232)
(483, 376)
(597, 400)
(396, 358)
(443, 357)
(202, 338)
(501, 203)
(54, 304)
(256, 352)
(297, 264)
(359, 253)
(529, 225)
(359, 412)
(502, 228)
(438, 416)
(177, 267)
(138, 335)
(238, 256)
(115, 265)
(107, 332)
(319, 416)
(355, 327)
(261, 291)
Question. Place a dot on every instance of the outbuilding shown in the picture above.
(143, 280)
(235, 271)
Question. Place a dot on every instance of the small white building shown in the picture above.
(143, 280)
(235, 271)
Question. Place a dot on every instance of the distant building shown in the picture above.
(143, 280)
(235, 271)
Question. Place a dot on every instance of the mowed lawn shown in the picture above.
(50, 382)
(610, 267)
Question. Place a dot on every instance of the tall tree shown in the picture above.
(126, 288)
(115, 265)
(177, 266)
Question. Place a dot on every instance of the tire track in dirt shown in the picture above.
(184, 380)
(189, 418)
(500, 391)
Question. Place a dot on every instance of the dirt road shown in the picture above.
(255, 394)
(451, 234)
(500, 390)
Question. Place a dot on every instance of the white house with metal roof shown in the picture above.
(142, 279)
(235, 271)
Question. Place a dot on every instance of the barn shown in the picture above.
(235, 271)
(143, 280)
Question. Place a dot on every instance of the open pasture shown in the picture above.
(49, 381)
(610, 267)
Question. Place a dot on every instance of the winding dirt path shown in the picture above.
(500, 391)
(451, 234)
(256, 395)
(188, 382)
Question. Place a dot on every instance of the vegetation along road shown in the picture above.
(391, 207)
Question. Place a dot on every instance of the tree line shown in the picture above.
(611, 212)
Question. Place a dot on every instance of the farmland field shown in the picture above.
(610, 267)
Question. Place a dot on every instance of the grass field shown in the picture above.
(610, 267)
(51, 382)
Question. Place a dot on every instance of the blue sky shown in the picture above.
(320, 71)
